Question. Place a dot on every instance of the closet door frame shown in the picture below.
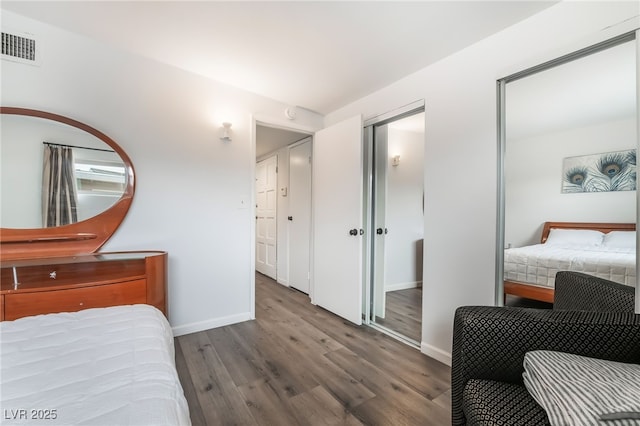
(369, 205)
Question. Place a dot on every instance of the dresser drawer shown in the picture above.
(20, 305)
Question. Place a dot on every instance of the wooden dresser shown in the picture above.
(54, 264)
(71, 283)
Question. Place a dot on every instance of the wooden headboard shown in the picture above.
(602, 227)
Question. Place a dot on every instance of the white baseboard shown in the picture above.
(436, 353)
(194, 327)
(283, 282)
(402, 286)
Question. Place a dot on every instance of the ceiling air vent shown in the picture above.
(19, 48)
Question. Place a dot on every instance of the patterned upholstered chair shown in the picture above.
(591, 316)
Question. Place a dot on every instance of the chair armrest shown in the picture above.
(581, 292)
(490, 342)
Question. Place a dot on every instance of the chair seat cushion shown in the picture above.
(487, 402)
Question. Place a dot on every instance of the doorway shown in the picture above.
(397, 225)
(280, 240)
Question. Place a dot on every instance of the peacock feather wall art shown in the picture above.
(610, 171)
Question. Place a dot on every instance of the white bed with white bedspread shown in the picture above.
(611, 256)
(105, 366)
(538, 264)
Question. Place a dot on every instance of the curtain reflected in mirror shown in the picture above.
(569, 152)
(31, 199)
(59, 194)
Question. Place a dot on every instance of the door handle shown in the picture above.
(353, 232)
(289, 217)
(379, 231)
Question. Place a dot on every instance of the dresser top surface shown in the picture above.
(80, 258)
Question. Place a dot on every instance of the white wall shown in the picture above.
(461, 160)
(21, 171)
(533, 176)
(404, 216)
(190, 186)
(21, 164)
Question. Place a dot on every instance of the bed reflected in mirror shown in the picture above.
(569, 157)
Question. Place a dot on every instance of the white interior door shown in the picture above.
(266, 236)
(337, 216)
(300, 216)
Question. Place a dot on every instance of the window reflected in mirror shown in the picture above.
(31, 179)
(100, 181)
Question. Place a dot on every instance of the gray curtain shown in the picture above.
(59, 195)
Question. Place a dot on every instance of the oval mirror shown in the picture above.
(65, 186)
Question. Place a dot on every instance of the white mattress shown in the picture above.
(538, 264)
(106, 366)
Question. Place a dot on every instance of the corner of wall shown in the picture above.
(210, 323)
(436, 353)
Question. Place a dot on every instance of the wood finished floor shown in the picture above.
(403, 312)
(298, 364)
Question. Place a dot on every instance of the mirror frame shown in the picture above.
(86, 236)
(501, 132)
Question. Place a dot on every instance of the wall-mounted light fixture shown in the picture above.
(225, 132)
(395, 161)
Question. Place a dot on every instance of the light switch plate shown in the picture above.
(243, 202)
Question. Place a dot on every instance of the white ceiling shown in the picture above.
(269, 139)
(594, 89)
(315, 55)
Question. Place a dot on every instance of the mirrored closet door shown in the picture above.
(568, 155)
(397, 225)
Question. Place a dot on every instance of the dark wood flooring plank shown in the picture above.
(283, 321)
(395, 403)
(220, 400)
(195, 412)
(423, 374)
(304, 346)
(318, 407)
(238, 358)
(402, 324)
(300, 364)
(307, 360)
(335, 380)
(283, 367)
(267, 404)
(403, 312)
(444, 400)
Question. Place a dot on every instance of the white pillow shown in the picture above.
(575, 237)
(620, 239)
